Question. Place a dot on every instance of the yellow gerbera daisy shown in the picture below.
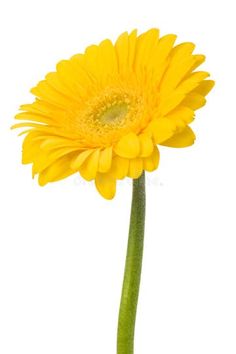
(103, 113)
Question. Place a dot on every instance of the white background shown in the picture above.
(62, 247)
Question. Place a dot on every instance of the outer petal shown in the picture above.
(31, 146)
(88, 169)
(35, 117)
(128, 146)
(132, 48)
(196, 98)
(192, 81)
(90, 59)
(199, 59)
(181, 51)
(170, 102)
(164, 47)
(183, 139)
(105, 159)
(145, 44)
(181, 114)
(52, 142)
(146, 145)
(119, 167)
(162, 129)
(81, 75)
(174, 75)
(78, 161)
(72, 76)
(135, 168)
(47, 158)
(151, 163)
(58, 170)
(106, 185)
(49, 94)
(205, 87)
(194, 101)
(160, 54)
(53, 80)
(107, 60)
(122, 51)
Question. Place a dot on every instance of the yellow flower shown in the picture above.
(103, 113)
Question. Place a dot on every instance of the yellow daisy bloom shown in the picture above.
(103, 113)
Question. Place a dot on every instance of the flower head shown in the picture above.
(103, 113)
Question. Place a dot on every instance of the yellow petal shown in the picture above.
(80, 159)
(181, 51)
(107, 60)
(162, 129)
(49, 94)
(53, 79)
(132, 48)
(145, 45)
(80, 74)
(170, 102)
(44, 129)
(106, 185)
(27, 124)
(58, 170)
(35, 107)
(151, 163)
(105, 159)
(128, 146)
(135, 167)
(146, 145)
(43, 112)
(36, 117)
(52, 142)
(88, 169)
(90, 60)
(73, 77)
(31, 147)
(164, 47)
(160, 54)
(119, 167)
(122, 50)
(181, 115)
(198, 60)
(205, 87)
(183, 139)
(194, 101)
(192, 81)
(46, 158)
(174, 75)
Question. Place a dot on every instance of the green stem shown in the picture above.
(133, 267)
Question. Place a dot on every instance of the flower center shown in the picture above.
(110, 114)
(114, 114)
